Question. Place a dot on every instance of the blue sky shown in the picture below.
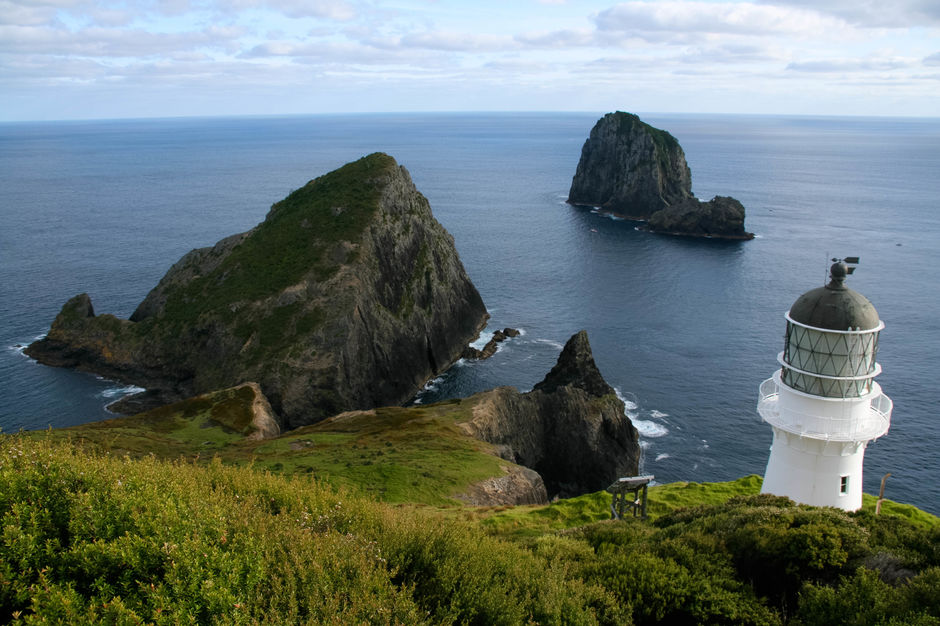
(75, 59)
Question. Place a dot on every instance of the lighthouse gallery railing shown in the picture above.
(874, 424)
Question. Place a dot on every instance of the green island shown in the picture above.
(178, 516)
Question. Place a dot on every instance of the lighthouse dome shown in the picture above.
(835, 306)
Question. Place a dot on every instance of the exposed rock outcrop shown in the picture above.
(519, 485)
(634, 170)
(349, 295)
(491, 346)
(629, 168)
(719, 217)
(571, 428)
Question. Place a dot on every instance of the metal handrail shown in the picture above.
(875, 424)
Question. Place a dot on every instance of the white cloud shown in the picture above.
(844, 65)
(568, 38)
(457, 42)
(586, 50)
(685, 19)
(873, 13)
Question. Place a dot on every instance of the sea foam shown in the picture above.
(650, 429)
(120, 391)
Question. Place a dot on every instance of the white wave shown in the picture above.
(658, 414)
(661, 456)
(20, 348)
(629, 400)
(482, 340)
(120, 391)
(550, 342)
(432, 384)
(648, 428)
(644, 444)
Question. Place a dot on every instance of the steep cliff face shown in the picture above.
(630, 168)
(348, 296)
(719, 217)
(571, 428)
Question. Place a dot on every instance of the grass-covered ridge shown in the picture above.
(298, 237)
(399, 455)
(92, 538)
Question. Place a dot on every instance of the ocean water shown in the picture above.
(684, 329)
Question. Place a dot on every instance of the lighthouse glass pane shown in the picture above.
(826, 387)
(830, 354)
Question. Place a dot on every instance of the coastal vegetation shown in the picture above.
(92, 536)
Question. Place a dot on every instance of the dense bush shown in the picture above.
(87, 539)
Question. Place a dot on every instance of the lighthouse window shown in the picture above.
(844, 485)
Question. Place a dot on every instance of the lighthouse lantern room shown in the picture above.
(823, 403)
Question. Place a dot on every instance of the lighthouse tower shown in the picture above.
(823, 403)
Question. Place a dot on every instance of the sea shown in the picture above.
(685, 329)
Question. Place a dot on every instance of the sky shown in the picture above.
(87, 59)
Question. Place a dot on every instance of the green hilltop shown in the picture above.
(178, 516)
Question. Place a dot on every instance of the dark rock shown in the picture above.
(571, 428)
(491, 346)
(575, 367)
(720, 217)
(636, 171)
(349, 295)
(630, 168)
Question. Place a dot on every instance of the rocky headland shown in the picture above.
(571, 428)
(349, 295)
(631, 169)
(566, 437)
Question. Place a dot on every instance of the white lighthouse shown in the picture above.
(823, 403)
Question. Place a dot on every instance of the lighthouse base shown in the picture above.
(815, 471)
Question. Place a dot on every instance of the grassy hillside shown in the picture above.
(173, 516)
(89, 538)
(413, 455)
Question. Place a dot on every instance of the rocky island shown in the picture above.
(349, 295)
(633, 170)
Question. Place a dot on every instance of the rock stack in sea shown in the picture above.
(634, 170)
(349, 295)
(571, 428)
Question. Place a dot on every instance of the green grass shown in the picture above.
(96, 538)
(909, 512)
(414, 455)
(532, 521)
(394, 454)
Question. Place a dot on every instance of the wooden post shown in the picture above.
(881, 494)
